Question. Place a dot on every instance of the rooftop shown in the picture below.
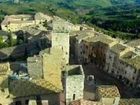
(82, 34)
(134, 43)
(132, 59)
(16, 19)
(20, 88)
(74, 70)
(31, 30)
(129, 101)
(118, 48)
(41, 16)
(108, 91)
(51, 81)
(102, 38)
(60, 25)
(129, 55)
(85, 102)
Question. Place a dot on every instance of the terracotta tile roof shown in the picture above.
(130, 101)
(108, 91)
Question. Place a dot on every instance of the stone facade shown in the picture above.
(61, 40)
(74, 75)
(60, 25)
(107, 54)
(35, 67)
(40, 18)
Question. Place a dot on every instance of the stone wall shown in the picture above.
(62, 40)
(74, 88)
(35, 68)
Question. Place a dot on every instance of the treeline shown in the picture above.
(121, 19)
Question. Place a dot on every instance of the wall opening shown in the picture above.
(18, 103)
(73, 96)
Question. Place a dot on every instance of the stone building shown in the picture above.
(35, 68)
(112, 57)
(74, 75)
(76, 45)
(129, 65)
(20, 51)
(40, 18)
(118, 67)
(96, 48)
(93, 48)
(61, 40)
(107, 54)
(43, 81)
(135, 44)
(60, 25)
(131, 101)
(108, 95)
(14, 23)
(47, 65)
(4, 91)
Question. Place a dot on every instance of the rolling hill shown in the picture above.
(112, 15)
(84, 3)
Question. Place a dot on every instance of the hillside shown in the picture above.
(86, 3)
(121, 18)
(83, 3)
(113, 15)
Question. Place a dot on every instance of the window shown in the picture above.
(86, 47)
(73, 96)
(18, 103)
(38, 100)
(110, 57)
(26, 102)
(93, 47)
(135, 71)
(112, 72)
(125, 72)
(83, 52)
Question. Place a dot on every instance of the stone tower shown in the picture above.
(74, 83)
